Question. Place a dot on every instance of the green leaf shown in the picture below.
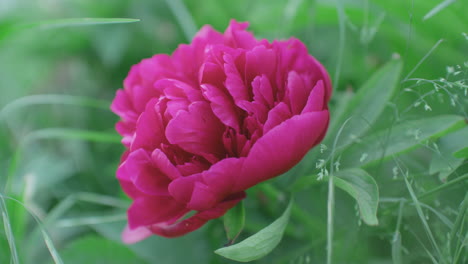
(399, 139)
(443, 160)
(234, 221)
(362, 187)
(368, 103)
(462, 153)
(259, 244)
(94, 249)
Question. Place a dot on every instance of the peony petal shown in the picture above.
(196, 221)
(316, 100)
(221, 105)
(139, 170)
(203, 197)
(260, 61)
(237, 37)
(281, 148)
(149, 210)
(164, 165)
(197, 131)
(262, 91)
(276, 116)
(149, 132)
(234, 81)
(201, 191)
(297, 92)
(130, 236)
(222, 175)
(209, 36)
(182, 188)
(123, 107)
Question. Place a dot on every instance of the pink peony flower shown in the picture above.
(219, 116)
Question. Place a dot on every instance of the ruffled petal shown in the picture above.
(164, 165)
(316, 100)
(297, 92)
(130, 236)
(276, 116)
(221, 105)
(148, 210)
(139, 170)
(197, 131)
(196, 221)
(281, 148)
(149, 132)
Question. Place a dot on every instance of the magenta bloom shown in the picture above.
(219, 116)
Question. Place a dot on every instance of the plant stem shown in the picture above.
(330, 207)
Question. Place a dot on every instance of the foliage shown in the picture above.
(397, 147)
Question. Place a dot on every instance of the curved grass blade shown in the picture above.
(60, 23)
(259, 244)
(9, 231)
(73, 22)
(47, 240)
(438, 8)
(52, 99)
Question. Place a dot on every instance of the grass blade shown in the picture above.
(421, 215)
(438, 8)
(9, 232)
(52, 99)
(47, 240)
(73, 22)
(184, 18)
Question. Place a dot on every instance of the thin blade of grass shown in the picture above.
(56, 133)
(73, 134)
(52, 99)
(420, 212)
(91, 220)
(341, 42)
(9, 232)
(184, 18)
(458, 226)
(425, 249)
(438, 8)
(73, 22)
(443, 186)
(47, 240)
(422, 60)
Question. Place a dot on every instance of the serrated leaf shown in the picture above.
(363, 188)
(259, 244)
(399, 139)
(368, 103)
(234, 221)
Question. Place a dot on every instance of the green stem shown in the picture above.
(330, 207)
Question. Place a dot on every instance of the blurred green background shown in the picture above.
(59, 151)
